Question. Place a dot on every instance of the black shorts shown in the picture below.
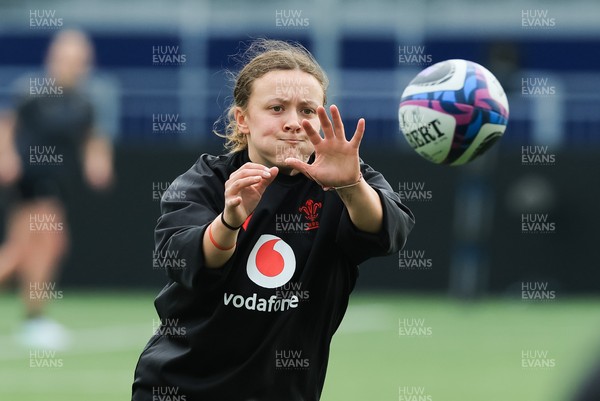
(33, 186)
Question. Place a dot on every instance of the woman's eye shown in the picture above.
(308, 111)
(277, 108)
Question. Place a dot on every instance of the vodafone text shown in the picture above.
(253, 302)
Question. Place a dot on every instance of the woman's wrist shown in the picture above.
(229, 226)
(217, 244)
(353, 184)
(220, 236)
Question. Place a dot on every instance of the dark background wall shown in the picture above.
(112, 233)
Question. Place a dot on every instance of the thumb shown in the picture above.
(296, 164)
(274, 171)
(301, 167)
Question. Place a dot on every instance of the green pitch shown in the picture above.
(390, 347)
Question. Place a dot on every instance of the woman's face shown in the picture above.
(272, 121)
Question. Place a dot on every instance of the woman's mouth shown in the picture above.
(291, 140)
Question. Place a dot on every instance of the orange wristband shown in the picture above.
(216, 245)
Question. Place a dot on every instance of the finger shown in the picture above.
(325, 123)
(273, 171)
(296, 164)
(264, 183)
(250, 165)
(313, 135)
(300, 166)
(233, 202)
(338, 125)
(310, 177)
(234, 188)
(239, 174)
(358, 134)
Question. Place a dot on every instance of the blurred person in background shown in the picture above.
(49, 135)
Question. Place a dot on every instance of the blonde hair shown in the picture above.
(263, 56)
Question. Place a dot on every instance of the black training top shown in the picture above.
(50, 130)
(51, 125)
(260, 327)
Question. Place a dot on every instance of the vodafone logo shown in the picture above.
(271, 263)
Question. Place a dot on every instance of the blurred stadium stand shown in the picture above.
(357, 43)
(358, 48)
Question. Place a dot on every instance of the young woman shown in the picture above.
(271, 235)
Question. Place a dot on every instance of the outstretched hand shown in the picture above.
(336, 161)
(244, 189)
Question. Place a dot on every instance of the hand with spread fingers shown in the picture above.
(336, 161)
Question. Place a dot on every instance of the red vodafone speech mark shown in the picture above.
(268, 261)
(271, 262)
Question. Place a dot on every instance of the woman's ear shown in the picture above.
(240, 119)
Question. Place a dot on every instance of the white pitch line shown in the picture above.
(367, 318)
(358, 319)
(86, 341)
